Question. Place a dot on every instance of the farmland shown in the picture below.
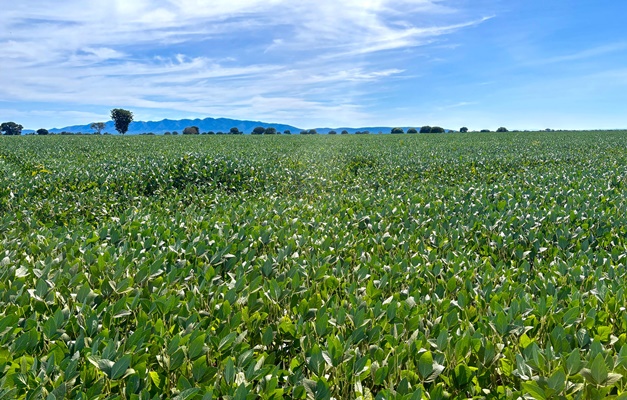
(389, 266)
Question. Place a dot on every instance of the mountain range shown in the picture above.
(206, 125)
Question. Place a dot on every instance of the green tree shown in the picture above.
(270, 131)
(437, 129)
(98, 127)
(11, 128)
(425, 129)
(122, 119)
(463, 129)
(234, 131)
(485, 130)
(287, 132)
(191, 130)
(312, 132)
(260, 130)
(344, 132)
(397, 131)
(167, 133)
(332, 132)
(412, 130)
(42, 131)
(502, 129)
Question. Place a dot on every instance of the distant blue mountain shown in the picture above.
(211, 124)
(168, 125)
(370, 129)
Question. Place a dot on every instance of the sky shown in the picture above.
(522, 64)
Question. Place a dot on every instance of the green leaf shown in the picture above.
(177, 359)
(573, 362)
(268, 336)
(427, 368)
(462, 375)
(336, 350)
(557, 381)
(241, 393)
(425, 365)
(226, 341)
(598, 369)
(102, 364)
(571, 316)
(197, 347)
(322, 321)
(186, 394)
(229, 371)
(381, 375)
(50, 329)
(119, 368)
(534, 390)
(322, 391)
(155, 378)
(26, 342)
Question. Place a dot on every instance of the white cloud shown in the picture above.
(275, 59)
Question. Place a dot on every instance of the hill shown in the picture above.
(168, 125)
(211, 124)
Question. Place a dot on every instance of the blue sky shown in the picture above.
(523, 64)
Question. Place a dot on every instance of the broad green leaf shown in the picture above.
(197, 347)
(425, 365)
(268, 336)
(229, 371)
(119, 368)
(534, 390)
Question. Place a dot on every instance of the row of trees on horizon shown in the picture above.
(11, 128)
(122, 119)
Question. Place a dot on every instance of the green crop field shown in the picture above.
(382, 266)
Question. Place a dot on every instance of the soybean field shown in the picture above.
(452, 266)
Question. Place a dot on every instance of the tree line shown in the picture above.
(123, 118)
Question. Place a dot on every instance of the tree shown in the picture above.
(485, 130)
(425, 129)
(396, 131)
(502, 129)
(167, 133)
(122, 119)
(344, 132)
(97, 126)
(463, 129)
(234, 131)
(437, 129)
(312, 132)
(412, 130)
(287, 132)
(42, 131)
(332, 132)
(175, 133)
(270, 131)
(11, 128)
(211, 133)
(260, 130)
(191, 130)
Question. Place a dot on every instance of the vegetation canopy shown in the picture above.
(122, 119)
(380, 266)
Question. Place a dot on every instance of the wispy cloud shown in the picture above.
(583, 54)
(246, 58)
